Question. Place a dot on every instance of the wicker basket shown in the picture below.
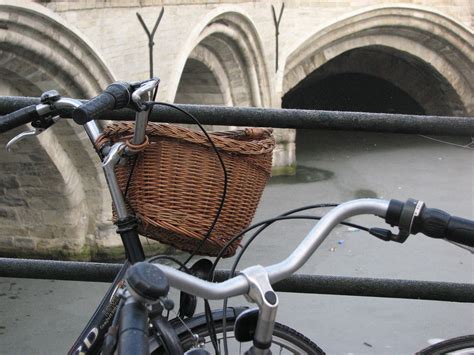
(177, 183)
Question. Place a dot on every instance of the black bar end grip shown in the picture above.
(439, 224)
(461, 230)
(133, 333)
(115, 96)
(17, 118)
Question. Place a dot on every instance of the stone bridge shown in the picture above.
(412, 57)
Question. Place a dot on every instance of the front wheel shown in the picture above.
(285, 339)
(459, 346)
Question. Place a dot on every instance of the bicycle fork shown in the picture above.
(261, 293)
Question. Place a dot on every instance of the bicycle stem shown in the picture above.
(261, 293)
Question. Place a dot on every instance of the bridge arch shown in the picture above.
(228, 45)
(50, 204)
(425, 54)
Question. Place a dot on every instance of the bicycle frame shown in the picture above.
(92, 337)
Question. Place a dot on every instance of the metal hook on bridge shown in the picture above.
(277, 31)
(150, 36)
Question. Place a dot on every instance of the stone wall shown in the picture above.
(53, 197)
(190, 24)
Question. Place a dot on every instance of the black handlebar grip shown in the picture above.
(20, 117)
(439, 224)
(133, 332)
(115, 96)
(461, 230)
(430, 221)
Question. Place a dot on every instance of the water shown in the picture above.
(45, 316)
(303, 174)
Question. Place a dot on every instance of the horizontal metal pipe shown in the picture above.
(313, 284)
(370, 287)
(58, 270)
(286, 118)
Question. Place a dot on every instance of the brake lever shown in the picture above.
(33, 132)
(22, 135)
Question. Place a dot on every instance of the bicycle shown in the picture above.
(122, 320)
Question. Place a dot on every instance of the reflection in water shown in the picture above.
(364, 193)
(304, 174)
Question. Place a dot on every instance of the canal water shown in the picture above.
(43, 317)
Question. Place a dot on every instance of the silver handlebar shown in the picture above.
(91, 127)
(320, 231)
(141, 118)
(239, 285)
(143, 89)
(146, 87)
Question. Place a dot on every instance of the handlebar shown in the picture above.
(415, 217)
(239, 285)
(422, 219)
(18, 118)
(115, 96)
(411, 217)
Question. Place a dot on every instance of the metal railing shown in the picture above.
(299, 283)
(285, 118)
(278, 118)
